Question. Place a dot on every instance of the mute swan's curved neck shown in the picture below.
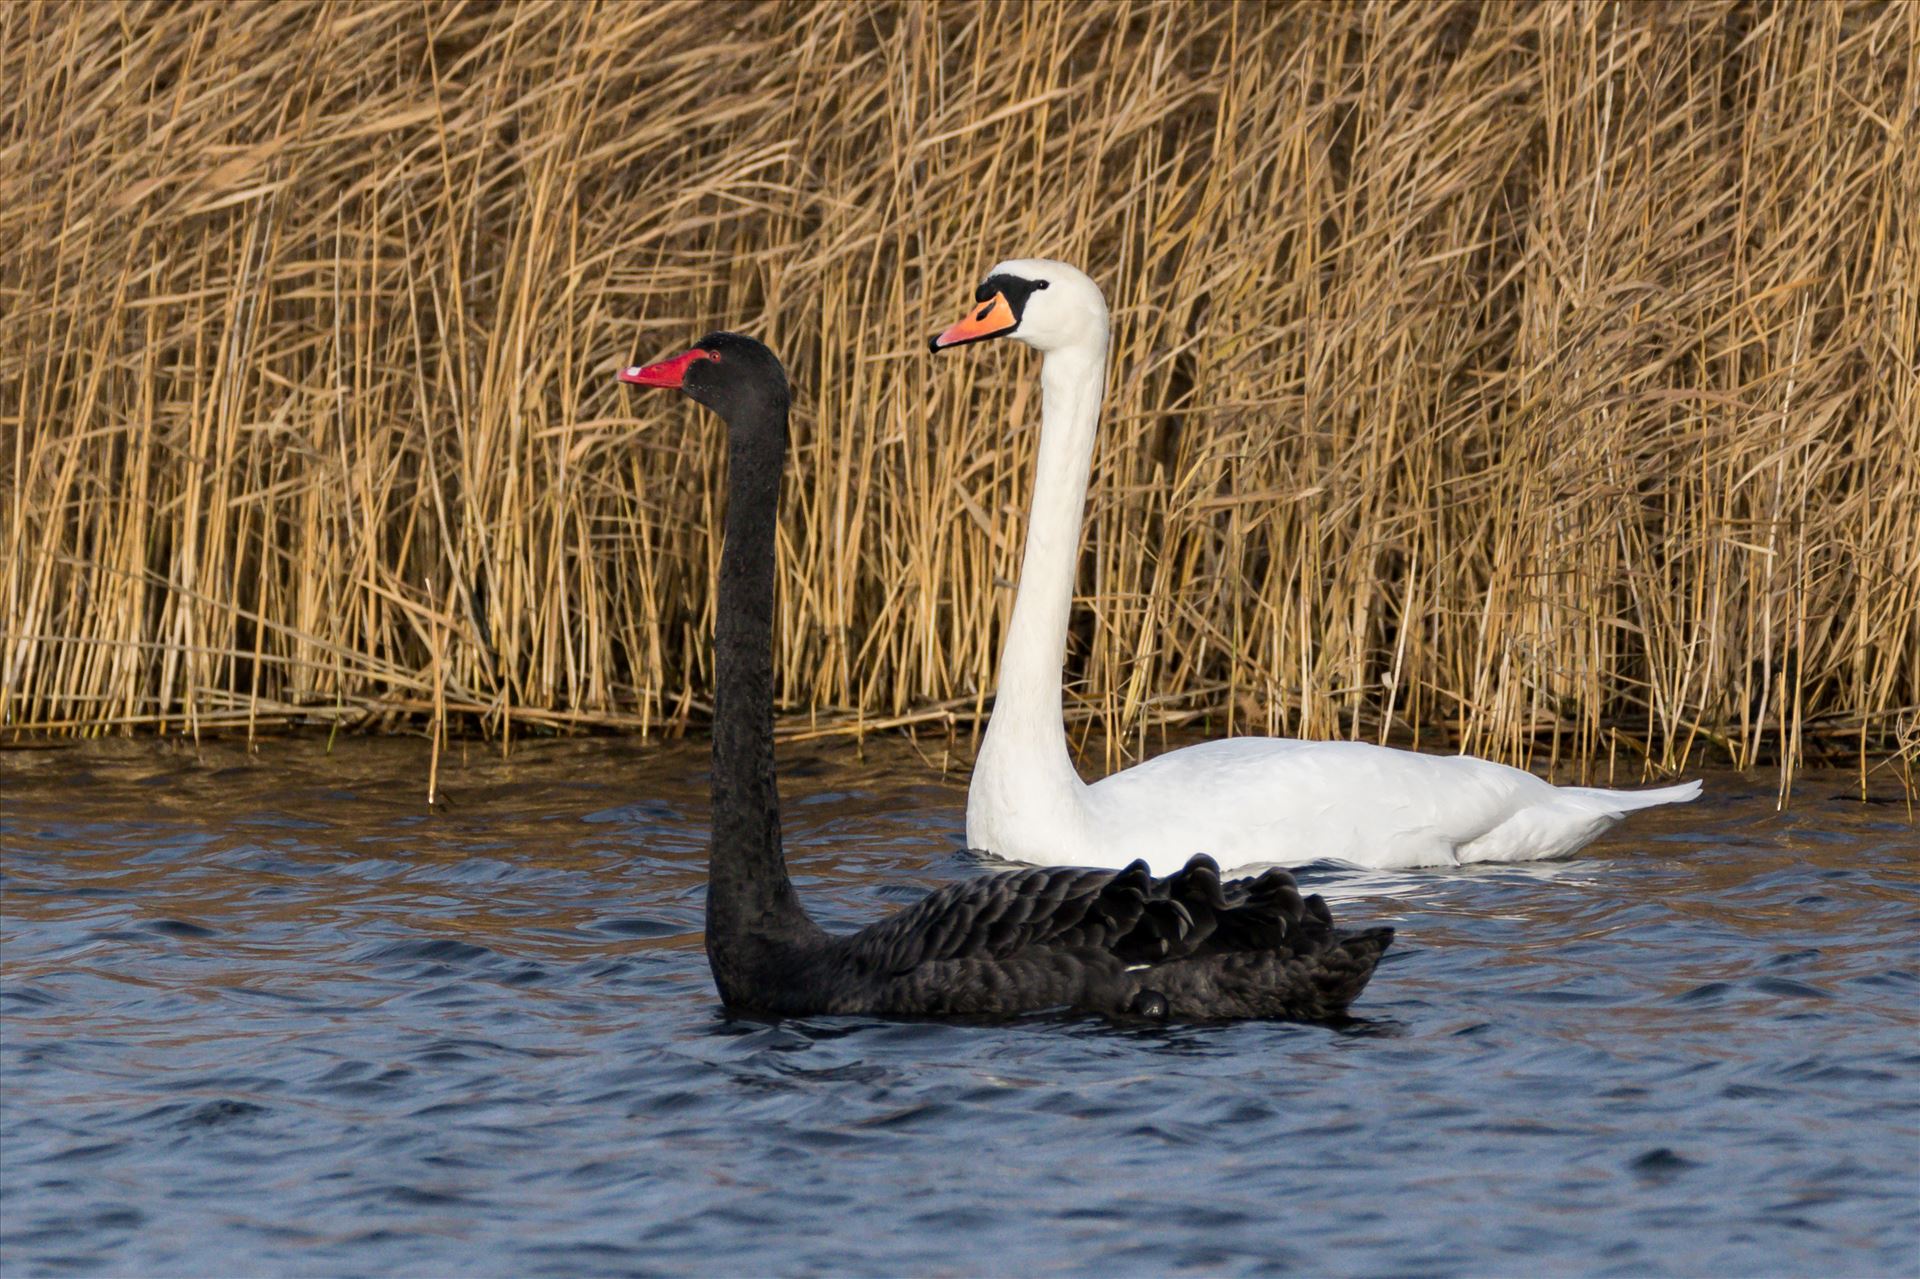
(1027, 720)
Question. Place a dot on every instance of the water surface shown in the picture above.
(269, 1015)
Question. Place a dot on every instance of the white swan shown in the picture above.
(1246, 801)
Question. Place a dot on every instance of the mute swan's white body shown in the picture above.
(1251, 801)
(1246, 801)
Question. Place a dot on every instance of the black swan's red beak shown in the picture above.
(667, 372)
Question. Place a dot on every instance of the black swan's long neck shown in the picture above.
(753, 915)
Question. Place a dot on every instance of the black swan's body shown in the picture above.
(1100, 941)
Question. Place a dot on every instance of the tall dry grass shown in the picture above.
(1537, 378)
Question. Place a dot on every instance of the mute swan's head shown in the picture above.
(1046, 304)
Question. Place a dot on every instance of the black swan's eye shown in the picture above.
(714, 356)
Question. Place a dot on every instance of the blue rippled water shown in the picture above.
(268, 1015)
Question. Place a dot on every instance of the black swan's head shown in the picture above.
(1046, 304)
(735, 376)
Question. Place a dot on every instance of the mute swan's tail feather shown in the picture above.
(1627, 801)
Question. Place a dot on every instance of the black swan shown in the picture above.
(1116, 943)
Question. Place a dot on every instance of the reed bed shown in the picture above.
(1533, 379)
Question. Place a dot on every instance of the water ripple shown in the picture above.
(273, 1016)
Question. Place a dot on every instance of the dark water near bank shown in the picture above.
(269, 1016)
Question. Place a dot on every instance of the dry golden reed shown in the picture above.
(1533, 378)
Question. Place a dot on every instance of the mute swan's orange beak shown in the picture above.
(667, 372)
(990, 319)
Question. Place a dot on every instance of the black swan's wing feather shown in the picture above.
(1127, 913)
(1188, 945)
(1000, 915)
